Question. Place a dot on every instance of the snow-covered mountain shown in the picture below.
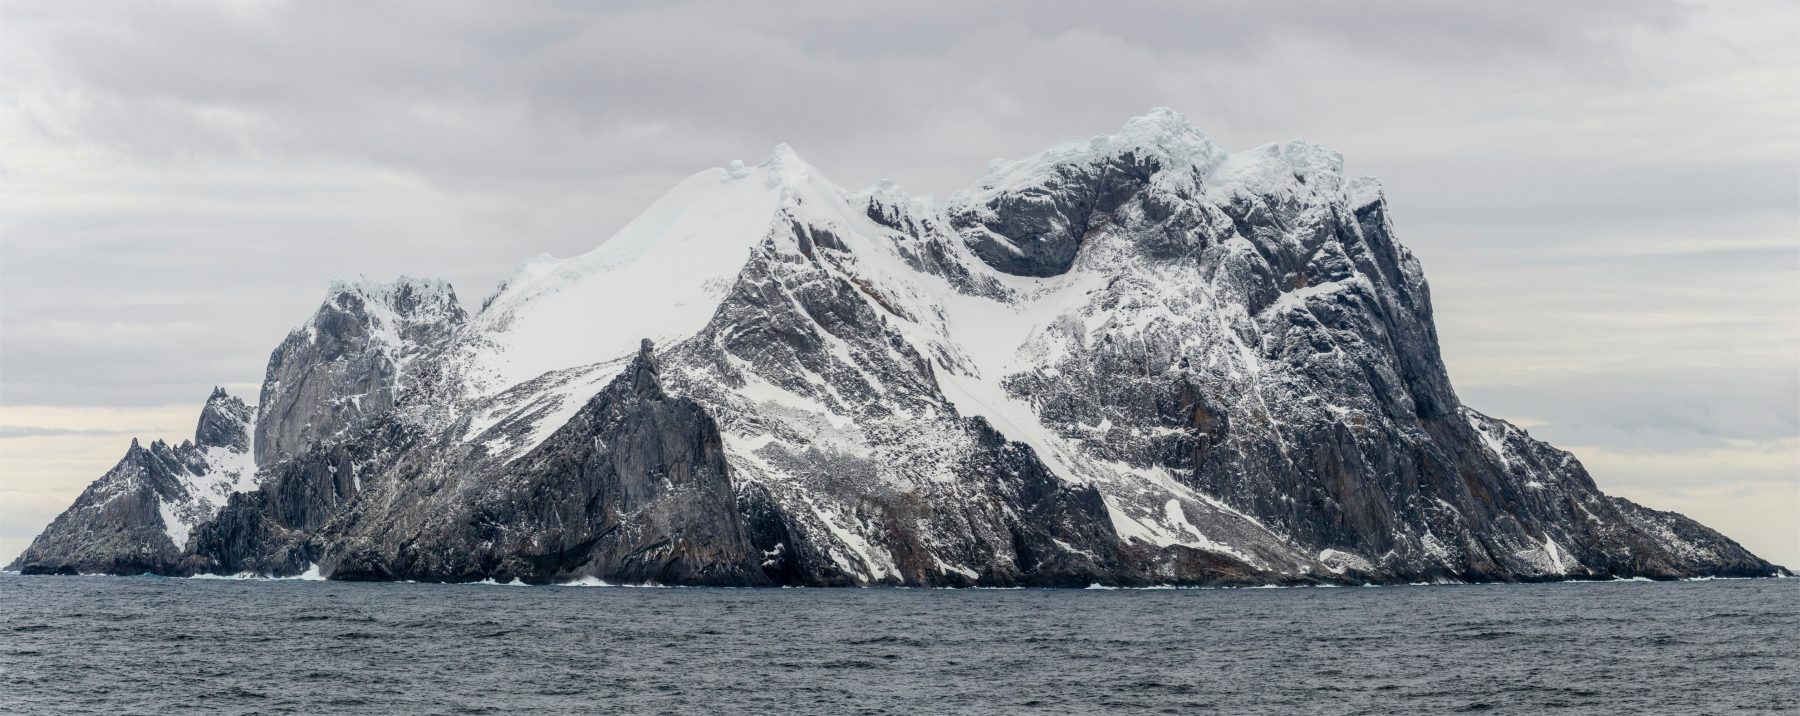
(1137, 359)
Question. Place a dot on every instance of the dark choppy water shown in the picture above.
(147, 645)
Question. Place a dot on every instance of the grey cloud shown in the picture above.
(31, 431)
(549, 91)
(1685, 411)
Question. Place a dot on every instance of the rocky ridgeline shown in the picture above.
(1133, 360)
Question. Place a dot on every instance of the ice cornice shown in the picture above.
(407, 298)
(1184, 157)
(1162, 135)
(1295, 167)
(1165, 131)
(1363, 191)
(782, 168)
(365, 286)
(785, 163)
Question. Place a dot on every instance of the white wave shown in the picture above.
(310, 575)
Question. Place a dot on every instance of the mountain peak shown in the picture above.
(1161, 136)
(396, 304)
(786, 168)
(365, 286)
(1164, 128)
(672, 264)
(224, 422)
(784, 154)
(783, 168)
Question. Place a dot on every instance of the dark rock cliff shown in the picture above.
(634, 488)
(135, 518)
(349, 363)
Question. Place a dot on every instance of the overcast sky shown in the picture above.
(1605, 195)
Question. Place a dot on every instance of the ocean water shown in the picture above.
(103, 645)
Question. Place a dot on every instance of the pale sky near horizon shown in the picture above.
(1605, 195)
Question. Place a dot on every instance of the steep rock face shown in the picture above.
(272, 530)
(350, 362)
(1132, 360)
(114, 527)
(136, 518)
(640, 481)
(862, 471)
(633, 488)
(225, 422)
(1032, 219)
(1261, 337)
(859, 468)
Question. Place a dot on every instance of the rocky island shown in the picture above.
(1132, 360)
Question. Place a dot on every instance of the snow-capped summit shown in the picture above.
(1363, 191)
(351, 360)
(397, 310)
(1162, 138)
(1296, 168)
(1135, 359)
(661, 277)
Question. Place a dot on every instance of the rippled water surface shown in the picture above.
(148, 645)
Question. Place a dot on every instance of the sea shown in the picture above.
(151, 645)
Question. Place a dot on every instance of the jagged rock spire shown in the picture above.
(224, 422)
(645, 371)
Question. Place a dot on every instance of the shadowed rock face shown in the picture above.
(1342, 432)
(114, 526)
(271, 530)
(134, 519)
(347, 365)
(1136, 360)
(634, 488)
(639, 478)
(962, 505)
(1038, 231)
(224, 422)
